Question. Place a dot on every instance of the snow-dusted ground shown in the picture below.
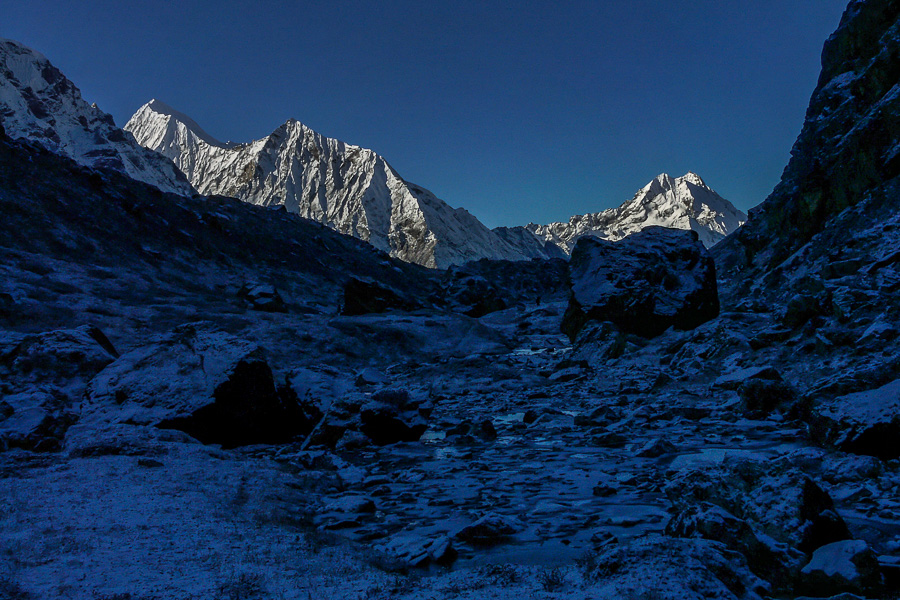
(132, 510)
(594, 457)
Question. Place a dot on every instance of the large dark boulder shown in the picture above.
(392, 416)
(650, 281)
(781, 502)
(862, 423)
(365, 297)
(209, 384)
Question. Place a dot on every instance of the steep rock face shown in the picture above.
(678, 203)
(351, 189)
(848, 150)
(38, 102)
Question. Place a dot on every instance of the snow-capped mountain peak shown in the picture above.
(346, 187)
(39, 103)
(355, 191)
(684, 202)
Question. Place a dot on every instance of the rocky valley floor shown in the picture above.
(544, 469)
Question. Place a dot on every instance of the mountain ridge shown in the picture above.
(39, 103)
(351, 189)
(355, 191)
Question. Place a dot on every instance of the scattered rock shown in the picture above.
(865, 423)
(603, 539)
(567, 374)
(800, 309)
(365, 297)
(489, 530)
(412, 550)
(391, 417)
(604, 490)
(351, 505)
(846, 566)
(655, 448)
(262, 297)
(352, 440)
(646, 283)
(599, 342)
(764, 396)
(370, 376)
(734, 380)
(879, 331)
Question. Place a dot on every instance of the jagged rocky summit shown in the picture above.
(37, 102)
(356, 192)
(351, 189)
(678, 203)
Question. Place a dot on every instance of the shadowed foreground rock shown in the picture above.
(209, 384)
(650, 281)
(862, 423)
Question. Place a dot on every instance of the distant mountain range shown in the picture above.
(348, 188)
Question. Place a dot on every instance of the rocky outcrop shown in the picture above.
(363, 297)
(767, 558)
(481, 287)
(209, 384)
(847, 150)
(782, 503)
(650, 281)
(64, 356)
(863, 423)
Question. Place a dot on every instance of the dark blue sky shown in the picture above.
(517, 111)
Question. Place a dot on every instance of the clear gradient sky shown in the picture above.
(517, 111)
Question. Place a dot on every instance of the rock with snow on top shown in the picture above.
(412, 550)
(655, 448)
(862, 423)
(262, 297)
(848, 566)
(650, 281)
(489, 530)
(212, 385)
(734, 380)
